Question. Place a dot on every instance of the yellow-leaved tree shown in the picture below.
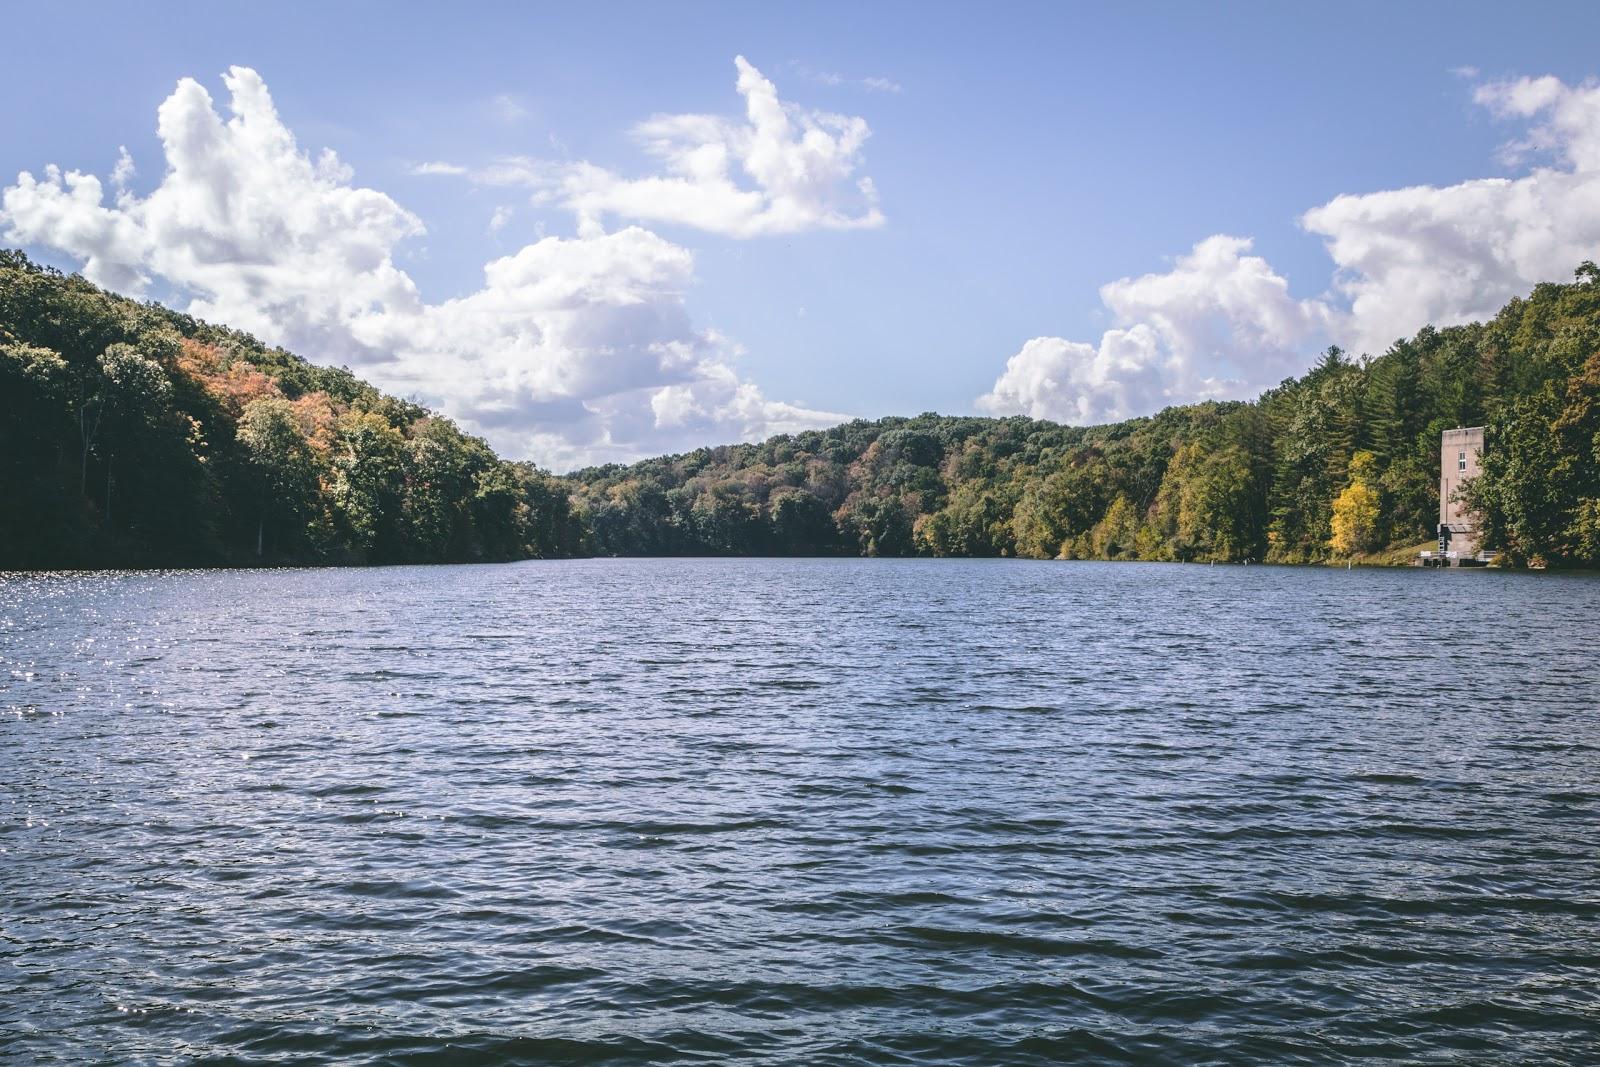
(1355, 511)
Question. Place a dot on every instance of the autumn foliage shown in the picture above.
(130, 434)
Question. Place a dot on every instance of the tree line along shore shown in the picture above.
(134, 435)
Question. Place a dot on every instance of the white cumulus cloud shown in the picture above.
(1223, 324)
(783, 169)
(1220, 323)
(1457, 253)
(574, 350)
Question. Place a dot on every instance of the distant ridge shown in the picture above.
(1341, 462)
(133, 435)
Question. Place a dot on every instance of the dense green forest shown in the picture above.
(135, 435)
(1342, 461)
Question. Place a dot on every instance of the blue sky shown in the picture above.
(1022, 158)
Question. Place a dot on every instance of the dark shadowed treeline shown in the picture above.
(133, 435)
(1342, 461)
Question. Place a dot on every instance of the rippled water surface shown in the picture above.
(810, 812)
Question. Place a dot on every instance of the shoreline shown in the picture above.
(1375, 561)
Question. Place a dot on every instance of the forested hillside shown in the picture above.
(134, 435)
(1342, 461)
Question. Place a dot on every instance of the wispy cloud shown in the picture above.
(124, 171)
(833, 79)
(509, 108)
(437, 168)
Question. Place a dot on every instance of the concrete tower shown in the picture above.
(1459, 454)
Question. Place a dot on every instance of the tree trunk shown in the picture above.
(87, 432)
(261, 524)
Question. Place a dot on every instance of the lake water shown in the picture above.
(800, 812)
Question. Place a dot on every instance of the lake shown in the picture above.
(800, 812)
